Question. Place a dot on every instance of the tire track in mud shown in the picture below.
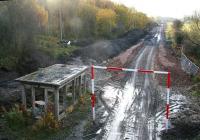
(115, 122)
(135, 123)
(136, 100)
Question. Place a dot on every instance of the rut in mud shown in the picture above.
(135, 102)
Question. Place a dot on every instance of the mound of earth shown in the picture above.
(105, 49)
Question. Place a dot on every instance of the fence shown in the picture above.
(188, 66)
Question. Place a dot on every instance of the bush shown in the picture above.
(70, 109)
(47, 122)
(8, 62)
(196, 79)
(15, 119)
(196, 93)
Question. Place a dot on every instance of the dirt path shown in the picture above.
(125, 58)
(135, 101)
(167, 61)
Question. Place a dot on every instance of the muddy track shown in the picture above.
(135, 103)
(136, 121)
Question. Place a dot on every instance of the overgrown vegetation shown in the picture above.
(15, 119)
(49, 45)
(186, 34)
(196, 93)
(20, 125)
(31, 29)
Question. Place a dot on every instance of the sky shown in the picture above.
(164, 8)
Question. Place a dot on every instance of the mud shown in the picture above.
(135, 103)
(185, 124)
(105, 49)
(136, 108)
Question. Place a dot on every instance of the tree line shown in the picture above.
(89, 18)
(185, 35)
(22, 21)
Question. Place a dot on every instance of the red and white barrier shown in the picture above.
(93, 97)
(168, 97)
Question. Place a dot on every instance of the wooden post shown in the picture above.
(74, 90)
(46, 99)
(56, 103)
(77, 89)
(65, 97)
(80, 85)
(24, 97)
(33, 99)
(85, 84)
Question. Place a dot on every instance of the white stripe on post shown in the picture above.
(167, 124)
(168, 94)
(93, 113)
(92, 97)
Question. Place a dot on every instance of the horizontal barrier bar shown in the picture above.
(130, 70)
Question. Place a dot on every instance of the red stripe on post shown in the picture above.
(168, 80)
(167, 111)
(93, 99)
(145, 71)
(114, 69)
(92, 71)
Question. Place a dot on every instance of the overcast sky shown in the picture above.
(164, 8)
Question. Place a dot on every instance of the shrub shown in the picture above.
(70, 109)
(15, 118)
(82, 101)
(196, 79)
(47, 122)
(196, 93)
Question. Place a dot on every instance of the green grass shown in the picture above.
(50, 46)
(196, 93)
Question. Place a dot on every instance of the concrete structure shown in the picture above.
(56, 87)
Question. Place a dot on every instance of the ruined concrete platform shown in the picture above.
(55, 75)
